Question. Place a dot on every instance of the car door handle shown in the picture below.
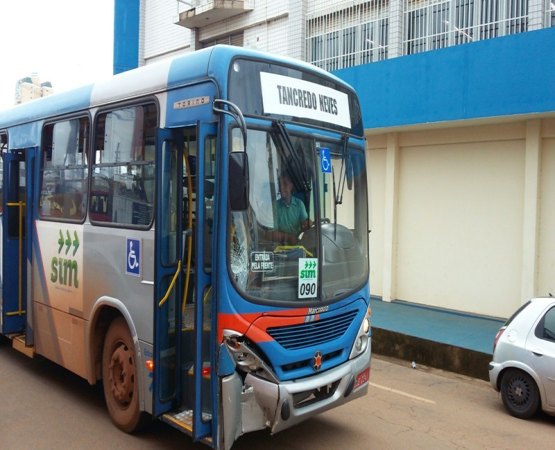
(537, 353)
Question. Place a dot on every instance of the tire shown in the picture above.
(120, 379)
(520, 394)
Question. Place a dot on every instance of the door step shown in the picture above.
(183, 421)
(18, 342)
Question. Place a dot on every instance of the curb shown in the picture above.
(434, 354)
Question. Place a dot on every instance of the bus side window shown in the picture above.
(122, 188)
(64, 170)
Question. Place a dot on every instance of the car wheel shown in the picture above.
(120, 379)
(520, 394)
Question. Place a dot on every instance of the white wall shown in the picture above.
(161, 35)
(268, 27)
(546, 241)
(263, 36)
(317, 6)
(376, 168)
(453, 215)
(255, 24)
(460, 225)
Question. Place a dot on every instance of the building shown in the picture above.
(458, 100)
(30, 88)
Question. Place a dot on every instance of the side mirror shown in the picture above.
(238, 181)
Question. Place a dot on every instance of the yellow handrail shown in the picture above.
(283, 248)
(170, 287)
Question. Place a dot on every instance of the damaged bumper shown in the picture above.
(278, 406)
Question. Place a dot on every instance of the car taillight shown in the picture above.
(497, 336)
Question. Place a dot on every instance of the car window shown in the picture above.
(546, 326)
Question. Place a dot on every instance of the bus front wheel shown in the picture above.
(120, 379)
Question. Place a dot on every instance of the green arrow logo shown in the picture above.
(68, 242)
(75, 243)
(61, 241)
(310, 264)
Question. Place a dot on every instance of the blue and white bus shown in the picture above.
(148, 241)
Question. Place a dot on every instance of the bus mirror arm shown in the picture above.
(234, 111)
(238, 176)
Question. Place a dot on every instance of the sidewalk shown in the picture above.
(449, 340)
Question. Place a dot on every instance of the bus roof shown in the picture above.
(210, 63)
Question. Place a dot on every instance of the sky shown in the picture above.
(67, 42)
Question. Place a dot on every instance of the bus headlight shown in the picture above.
(366, 324)
(359, 344)
(246, 359)
(362, 340)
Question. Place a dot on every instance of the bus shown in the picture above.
(148, 242)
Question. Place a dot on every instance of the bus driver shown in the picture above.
(292, 217)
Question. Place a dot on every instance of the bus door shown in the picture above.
(205, 379)
(17, 176)
(184, 382)
(168, 270)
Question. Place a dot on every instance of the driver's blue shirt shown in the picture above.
(290, 217)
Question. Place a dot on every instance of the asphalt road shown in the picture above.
(43, 406)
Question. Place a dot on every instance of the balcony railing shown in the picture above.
(348, 33)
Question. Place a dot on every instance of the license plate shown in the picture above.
(362, 378)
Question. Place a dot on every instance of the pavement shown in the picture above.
(444, 339)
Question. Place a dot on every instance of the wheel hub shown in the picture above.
(121, 379)
(519, 392)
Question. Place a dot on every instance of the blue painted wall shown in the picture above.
(126, 34)
(496, 77)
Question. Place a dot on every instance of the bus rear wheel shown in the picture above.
(120, 379)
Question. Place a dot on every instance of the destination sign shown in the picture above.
(299, 98)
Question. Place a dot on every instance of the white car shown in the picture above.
(523, 366)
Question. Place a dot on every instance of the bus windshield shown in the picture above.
(304, 235)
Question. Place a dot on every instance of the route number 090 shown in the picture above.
(307, 289)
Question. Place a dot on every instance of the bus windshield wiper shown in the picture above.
(338, 195)
(297, 165)
(343, 171)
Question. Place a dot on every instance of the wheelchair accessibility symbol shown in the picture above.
(325, 160)
(133, 266)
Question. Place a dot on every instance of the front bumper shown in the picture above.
(288, 403)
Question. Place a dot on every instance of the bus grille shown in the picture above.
(312, 333)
